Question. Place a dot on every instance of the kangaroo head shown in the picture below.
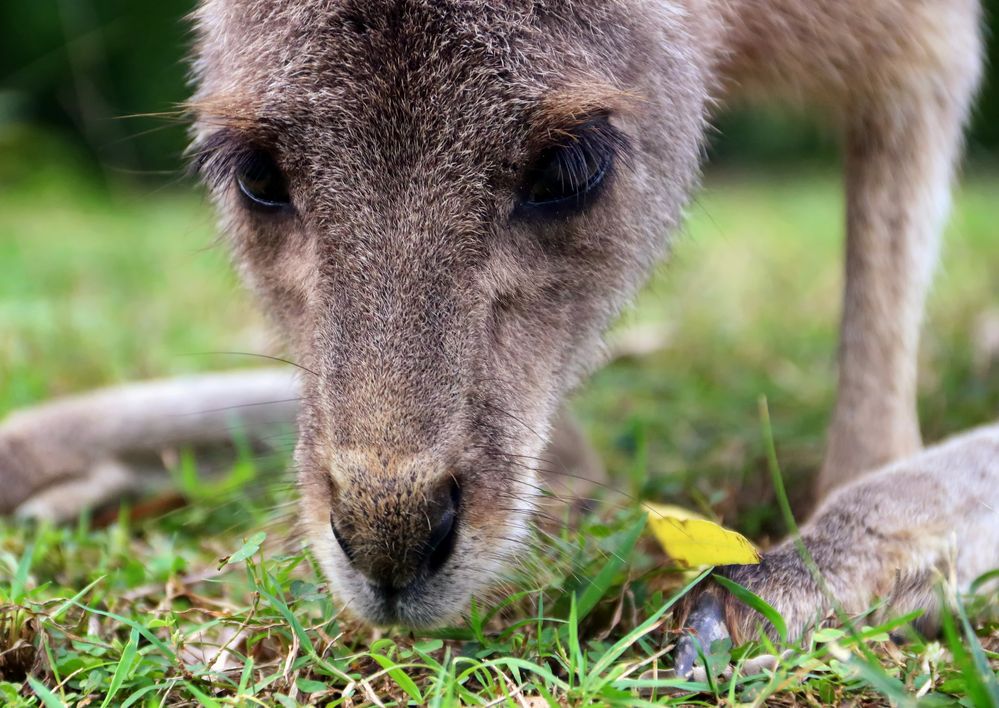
(442, 205)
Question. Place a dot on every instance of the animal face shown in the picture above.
(441, 205)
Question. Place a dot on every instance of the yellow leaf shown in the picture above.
(691, 540)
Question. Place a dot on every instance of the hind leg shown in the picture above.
(85, 451)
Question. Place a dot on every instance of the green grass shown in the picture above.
(97, 288)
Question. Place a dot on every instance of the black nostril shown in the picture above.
(440, 543)
(386, 549)
(346, 547)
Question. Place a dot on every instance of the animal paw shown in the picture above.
(781, 579)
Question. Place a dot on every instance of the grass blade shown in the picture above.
(149, 636)
(74, 600)
(124, 667)
(46, 696)
(981, 580)
(20, 580)
(977, 669)
(203, 698)
(303, 636)
(398, 675)
(599, 586)
(623, 644)
(137, 695)
(576, 660)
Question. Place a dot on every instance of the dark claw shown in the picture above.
(705, 625)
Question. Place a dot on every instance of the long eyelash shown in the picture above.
(591, 140)
(215, 158)
(595, 139)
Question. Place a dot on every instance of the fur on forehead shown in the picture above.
(277, 64)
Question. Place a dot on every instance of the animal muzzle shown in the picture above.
(400, 531)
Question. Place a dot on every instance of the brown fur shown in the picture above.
(442, 325)
(896, 535)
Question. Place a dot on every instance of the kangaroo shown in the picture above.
(443, 205)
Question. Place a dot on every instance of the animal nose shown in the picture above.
(399, 543)
(440, 542)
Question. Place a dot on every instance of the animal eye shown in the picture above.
(261, 182)
(569, 174)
